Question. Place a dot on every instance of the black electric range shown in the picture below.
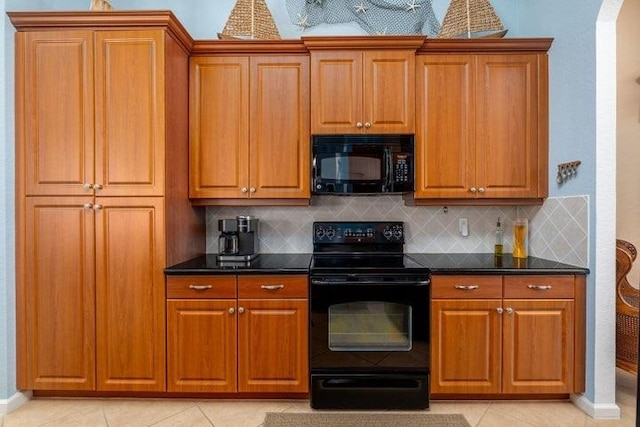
(369, 319)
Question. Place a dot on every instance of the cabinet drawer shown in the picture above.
(201, 287)
(273, 287)
(466, 287)
(538, 287)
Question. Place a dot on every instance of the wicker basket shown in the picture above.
(627, 309)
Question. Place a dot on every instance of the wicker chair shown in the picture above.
(627, 304)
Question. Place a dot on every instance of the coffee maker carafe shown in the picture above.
(238, 238)
(228, 240)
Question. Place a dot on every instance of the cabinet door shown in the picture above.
(336, 92)
(466, 346)
(388, 89)
(130, 297)
(508, 160)
(445, 139)
(273, 345)
(279, 164)
(54, 111)
(201, 345)
(538, 346)
(56, 285)
(219, 127)
(130, 120)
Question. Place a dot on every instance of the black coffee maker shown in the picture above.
(238, 239)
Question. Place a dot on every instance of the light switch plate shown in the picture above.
(463, 227)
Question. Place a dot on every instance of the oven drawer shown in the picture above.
(273, 286)
(466, 286)
(201, 287)
(539, 287)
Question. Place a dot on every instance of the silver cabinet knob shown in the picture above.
(97, 207)
(499, 310)
(473, 189)
(359, 125)
(367, 125)
(481, 189)
(88, 206)
(232, 310)
(240, 310)
(87, 186)
(509, 310)
(252, 190)
(97, 187)
(244, 189)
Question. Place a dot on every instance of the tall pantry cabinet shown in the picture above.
(101, 195)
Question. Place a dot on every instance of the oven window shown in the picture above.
(351, 168)
(370, 326)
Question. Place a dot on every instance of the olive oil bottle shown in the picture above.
(499, 235)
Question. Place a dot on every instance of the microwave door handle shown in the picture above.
(387, 170)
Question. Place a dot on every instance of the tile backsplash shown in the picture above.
(558, 229)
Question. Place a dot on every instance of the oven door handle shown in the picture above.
(371, 282)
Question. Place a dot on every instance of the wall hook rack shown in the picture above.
(567, 170)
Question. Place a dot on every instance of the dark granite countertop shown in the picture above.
(489, 264)
(263, 264)
(460, 263)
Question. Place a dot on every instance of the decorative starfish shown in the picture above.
(412, 6)
(303, 21)
(361, 8)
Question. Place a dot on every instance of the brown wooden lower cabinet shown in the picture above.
(232, 334)
(506, 335)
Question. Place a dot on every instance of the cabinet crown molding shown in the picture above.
(112, 20)
(364, 42)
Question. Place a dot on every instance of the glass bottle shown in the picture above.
(520, 238)
(499, 234)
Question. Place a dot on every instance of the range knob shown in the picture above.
(397, 233)
(320, 232)
(387, 233)
(330, 233)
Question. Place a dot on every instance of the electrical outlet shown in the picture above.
(463, 227)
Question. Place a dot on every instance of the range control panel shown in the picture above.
(358, 232)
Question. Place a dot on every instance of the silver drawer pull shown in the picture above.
(539, 287)
(200, 287)
(272, 287)
(467, 287)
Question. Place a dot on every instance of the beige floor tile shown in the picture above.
(240, 413)
(38, 412)
(473, 411)
(500, 419)
(548, 414)
(190, 417)
(142, 412)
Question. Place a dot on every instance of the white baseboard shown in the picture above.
(14, 402)
(606, 411)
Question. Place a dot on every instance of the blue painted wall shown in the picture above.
(572, 106)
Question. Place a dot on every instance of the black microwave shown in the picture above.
(362, 164)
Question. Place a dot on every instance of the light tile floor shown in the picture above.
(236, 413)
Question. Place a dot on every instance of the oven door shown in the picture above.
(369, 323)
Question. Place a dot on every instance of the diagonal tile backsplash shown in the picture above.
(558, 229)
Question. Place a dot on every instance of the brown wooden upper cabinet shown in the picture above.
(363, 85)
(249, 127)
(109, 138)
(482, 128)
